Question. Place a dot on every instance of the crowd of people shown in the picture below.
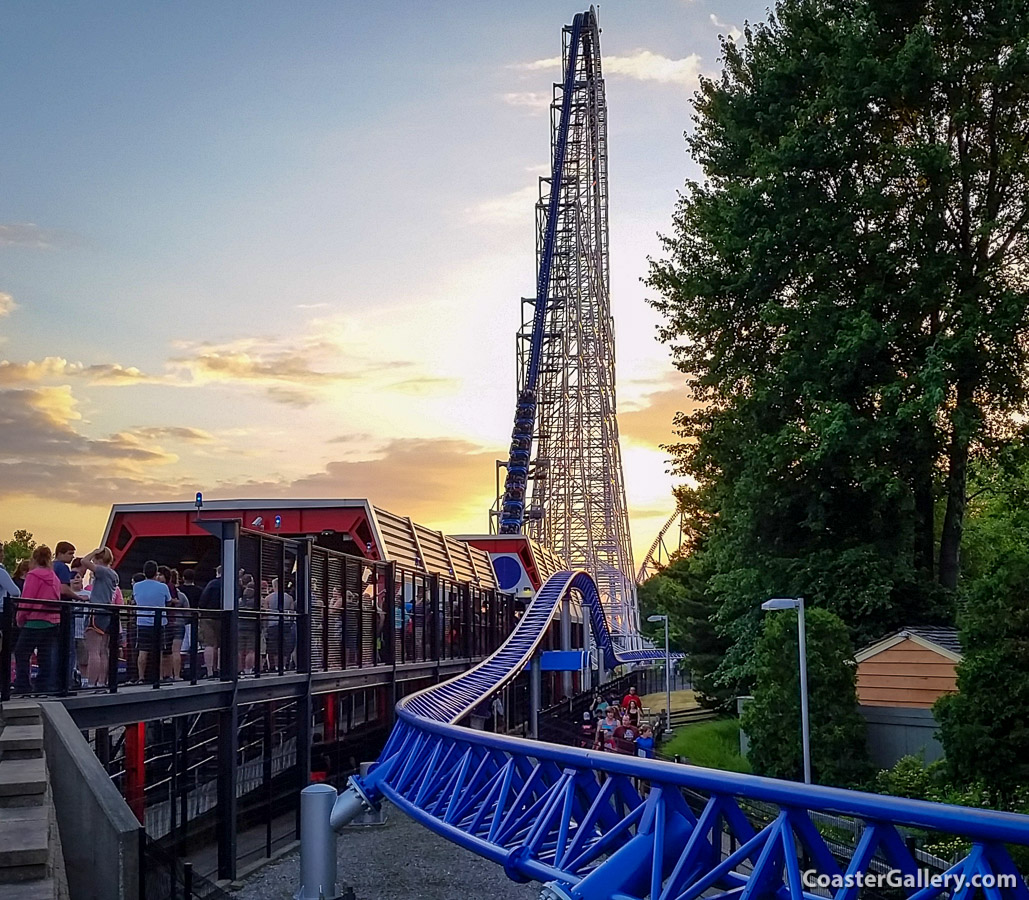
(620, 727)
(150, 642)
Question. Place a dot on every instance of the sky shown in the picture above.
(277, 250)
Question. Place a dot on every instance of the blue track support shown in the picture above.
(602, 826)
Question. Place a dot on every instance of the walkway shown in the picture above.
(397, 861)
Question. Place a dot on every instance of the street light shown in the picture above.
(668, 672)
(797, 603)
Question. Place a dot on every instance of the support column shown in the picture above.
(587, 668)
(305, 703)
(135, 741)
(228, 770)
(566, 642)
(535, 697)
(228, 719)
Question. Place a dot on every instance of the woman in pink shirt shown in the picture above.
(37, 623)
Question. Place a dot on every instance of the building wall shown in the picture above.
(900, 731)
(906, 675)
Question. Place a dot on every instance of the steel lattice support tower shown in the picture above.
(571, 497)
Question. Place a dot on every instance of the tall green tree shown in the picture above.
(984, 727)
(848, 289)
(19, 547)
(772, 720)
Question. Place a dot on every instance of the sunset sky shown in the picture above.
(277, 250)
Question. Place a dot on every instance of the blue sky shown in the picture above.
(277, 249)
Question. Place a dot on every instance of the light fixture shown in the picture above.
(781, 603)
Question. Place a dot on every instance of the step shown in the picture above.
(22, 781)
(20, 739)
(18, 875)
(20, 712)
(24, 837)
(40, 889)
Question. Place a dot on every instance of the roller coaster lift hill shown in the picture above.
(591, 825)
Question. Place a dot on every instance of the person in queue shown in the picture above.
(606, 727)
(276, 601)
(632, 710)
(210, 622)
(645, 742)
(38, 624)
(20, 571)
(104, 589)
(171, 652)
(625, 736)
(631, 697)
(8, 587)
(153, 594)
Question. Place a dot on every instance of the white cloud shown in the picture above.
(551, 62)
(642, 65)
(28, 234)
(312, 305)
(512, 208)
(537, 101)
(731, 31)
(7, 304)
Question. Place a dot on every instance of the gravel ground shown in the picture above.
(396, 861)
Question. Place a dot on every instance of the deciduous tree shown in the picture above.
(771, 719)
(848, 289)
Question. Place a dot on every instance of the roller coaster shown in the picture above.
(591, 825)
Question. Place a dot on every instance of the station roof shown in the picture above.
(394, 538)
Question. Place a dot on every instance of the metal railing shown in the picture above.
(295, 608)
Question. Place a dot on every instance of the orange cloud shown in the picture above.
(654, 423)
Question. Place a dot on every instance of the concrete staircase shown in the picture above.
(30, 856)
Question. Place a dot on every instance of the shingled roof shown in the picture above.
(943, 637)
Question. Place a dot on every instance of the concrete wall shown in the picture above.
(894, 732)
(99, 833)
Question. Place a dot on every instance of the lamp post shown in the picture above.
(797, 603)
(668, 672)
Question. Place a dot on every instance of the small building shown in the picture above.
(899, 678)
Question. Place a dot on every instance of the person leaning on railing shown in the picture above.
(38, 623)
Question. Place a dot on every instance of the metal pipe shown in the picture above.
(804, 724)
(317, 844)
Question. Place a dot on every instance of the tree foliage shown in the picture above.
(984, 729)
(772, 720)
(18, 548)
(681, 592)
(848, 289)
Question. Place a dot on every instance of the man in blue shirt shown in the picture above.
(155, 594)
(64, 553)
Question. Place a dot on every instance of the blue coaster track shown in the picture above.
(600, 826)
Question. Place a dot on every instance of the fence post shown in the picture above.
(187, 880)
(113, 646)
(65, 650)
(194, 638)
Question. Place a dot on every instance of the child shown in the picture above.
(645, 742)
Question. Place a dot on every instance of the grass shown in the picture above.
(714, 744)
(680, 700)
